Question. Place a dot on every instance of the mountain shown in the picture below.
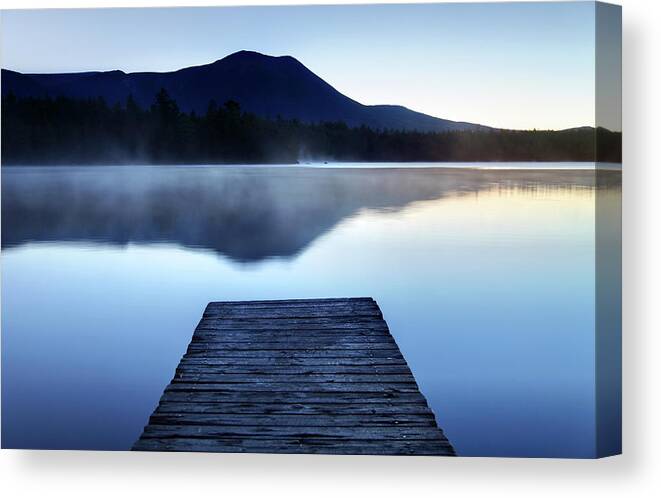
(264, 85)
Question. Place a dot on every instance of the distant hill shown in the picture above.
(261, 84)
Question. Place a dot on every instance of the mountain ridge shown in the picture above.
(268, 86)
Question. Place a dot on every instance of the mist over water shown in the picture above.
(485, 277)
(244, 213)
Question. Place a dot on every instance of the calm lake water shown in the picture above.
(485, 277)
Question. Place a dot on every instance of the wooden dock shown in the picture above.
(294, 376)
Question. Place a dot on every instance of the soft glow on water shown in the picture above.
(520, 165)
(487, 280)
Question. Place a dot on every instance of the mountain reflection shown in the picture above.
(245, 213)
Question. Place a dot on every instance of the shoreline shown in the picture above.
(489, 166)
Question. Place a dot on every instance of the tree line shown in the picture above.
(89, 131)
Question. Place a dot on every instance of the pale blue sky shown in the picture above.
(513, 65)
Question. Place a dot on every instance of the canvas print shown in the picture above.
(340, 229)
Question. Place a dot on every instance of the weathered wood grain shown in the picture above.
(207, 368)
(293, 420)
(326, 446)
(287, 408)
(300, 324)
(291, 346)
(292, 302)
(323, 397)
(292, 361)
(302, 341)
(430, 433)
(309, 378)
(302, 386)
(316, 313)
(270, 334)
(294, 376)
(295, 354)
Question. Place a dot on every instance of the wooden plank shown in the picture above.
(206, 368)
(325, 446)
(300, 324)
(293, 362)
(301, 386)
(314, 321)
(292, 344)
(293, 420)
(269, 432)
(301, 303)
(295, 313)
(380, 354)
(292, 335)
(308, 356)
(285, 397)
(257, 408)
(314, 378)
(294, 376)
(271, 305)
(302, 341)
(281, 302)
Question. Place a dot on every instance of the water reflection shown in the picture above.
(246, 213)
(486, 279)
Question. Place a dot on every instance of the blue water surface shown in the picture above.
(485, 277)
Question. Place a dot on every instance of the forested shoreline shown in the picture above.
(68, 131)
